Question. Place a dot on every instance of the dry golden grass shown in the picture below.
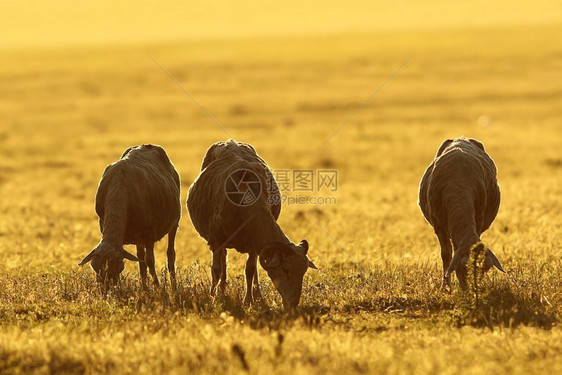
(66, 113)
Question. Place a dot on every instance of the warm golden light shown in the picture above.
(347, 103)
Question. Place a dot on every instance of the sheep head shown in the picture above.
(286, 265)
(460, 260)
(107, 262)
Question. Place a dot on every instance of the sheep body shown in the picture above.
(251, 228)
(138, 203)
(213, 215)
(459, 196)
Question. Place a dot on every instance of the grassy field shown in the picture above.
(374, 308)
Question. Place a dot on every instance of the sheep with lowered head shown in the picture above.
(460, 197)
(235, 203)
(138, 203)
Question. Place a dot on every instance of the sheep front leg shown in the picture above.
(149, 256)
(257, 290)
(142, 265)
(171, 253)
(251, 272)
(446, 255)
(222, 285)
(219, 257)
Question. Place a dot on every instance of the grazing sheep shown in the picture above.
(248, 226)
(138, 203)
(459, 196)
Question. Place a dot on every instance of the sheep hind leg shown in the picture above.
(257, 290)
(251, 271)
(171, 254)
(142, 265)
(446, 255)
(149, 256)
(216, 268)
(222, 285)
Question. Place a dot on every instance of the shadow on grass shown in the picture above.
(500, 305)
(518, 298)
(12, 361)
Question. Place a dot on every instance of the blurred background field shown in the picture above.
(79, 86)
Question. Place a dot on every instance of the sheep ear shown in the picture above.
(269, 258)
(312, 265)
(129, 256)
(443, 146)
(455, 263)
(304, 245)
(477, 144)
(87, 258)
(495, 261)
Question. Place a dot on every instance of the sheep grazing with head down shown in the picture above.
(138, 203)
(460, 197)
(235, 203)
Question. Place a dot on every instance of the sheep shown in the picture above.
(249, 227)
(137, 202)
(459, 196)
